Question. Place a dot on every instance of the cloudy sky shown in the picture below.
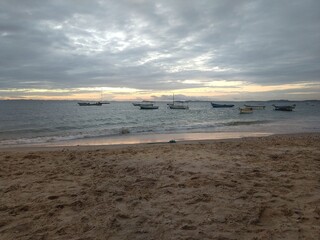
(143, 49)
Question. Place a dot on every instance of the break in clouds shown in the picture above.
(157, 45)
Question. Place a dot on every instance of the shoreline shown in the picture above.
(127, 139)
(158, 139)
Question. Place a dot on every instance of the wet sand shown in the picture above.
(249, 188)
(126, 139)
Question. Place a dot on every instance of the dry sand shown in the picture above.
(251, 188)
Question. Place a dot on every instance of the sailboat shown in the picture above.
(103, 102)
(99, 103)
(173, 105)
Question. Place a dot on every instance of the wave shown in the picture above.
(97, 133)
(239, 123)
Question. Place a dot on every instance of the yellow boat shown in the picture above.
(245, 110)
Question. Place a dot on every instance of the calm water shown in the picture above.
(25, 122)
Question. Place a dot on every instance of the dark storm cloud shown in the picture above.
(156, 45)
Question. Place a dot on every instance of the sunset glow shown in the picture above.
(131, 50)
(220, 91)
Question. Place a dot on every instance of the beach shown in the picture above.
(247, 188)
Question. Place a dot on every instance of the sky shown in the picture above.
(141, 49)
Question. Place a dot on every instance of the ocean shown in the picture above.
(24, 122)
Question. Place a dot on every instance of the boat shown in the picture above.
(89, 104)
(287, 108)
(255, 107)
(175, 106)
(245, 110)
(148, 107)
(99, 103)
(180, 105)
(215, 105)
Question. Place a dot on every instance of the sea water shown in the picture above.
(39, 122)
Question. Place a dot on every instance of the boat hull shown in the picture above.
(214, 105)
(284, 108)
(90, 104)
(179, 107)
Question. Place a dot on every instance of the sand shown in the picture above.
(250, 188)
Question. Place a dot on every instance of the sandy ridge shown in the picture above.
(252, 188)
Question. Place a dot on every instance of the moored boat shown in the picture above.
(215, 105)
(177, 104)
(148, 107)
(287, 108)
(255, 107)
(89, 104)
(98, 103)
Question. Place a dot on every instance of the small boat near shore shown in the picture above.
(215, 105)
(245, 110)
(287, 108)
(255, 107)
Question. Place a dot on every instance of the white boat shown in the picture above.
(148, 107)
(177, 104)
(245, 110)
(255, 107)
(136, 104)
